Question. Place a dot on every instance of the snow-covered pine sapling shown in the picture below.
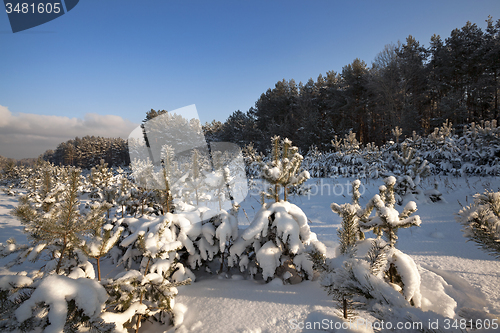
(43, 188)
(151, 291)
(413, 170)
(434, 194)
(219, 234)
(349, 232)
(123, 194)
(61, 304)
(387, 219)
(397, 132)
(137, 295)
(195, 180)
(253, 161)
(219, 180)
(283, 168)
(167, 163)
(337, 144)
(100, 179)
(58, 304)
(350, 144)
(276, 241)
(99, 241)
(481, 222)
(63, 224)
(144, 174)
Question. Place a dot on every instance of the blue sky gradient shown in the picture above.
(124, 57)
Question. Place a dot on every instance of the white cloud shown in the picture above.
(24, 135)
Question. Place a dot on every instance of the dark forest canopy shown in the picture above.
(410, 86)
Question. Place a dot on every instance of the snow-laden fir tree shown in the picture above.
(413, 169)
(55, 304)
(151, 251)
(442, 151)
(349, 232)
(58, 230)
(481, 222)
(100, 179)
(275, 244)
(168, 166)
(397, 132)
(123, 194)
(368, 273)
(98, 242)
(388, 220)
(282, 171)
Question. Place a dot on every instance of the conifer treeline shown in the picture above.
(408, 85)
(88, 151)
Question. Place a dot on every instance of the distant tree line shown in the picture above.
(408, 85)
(88, 151)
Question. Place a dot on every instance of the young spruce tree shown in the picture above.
(62, 226)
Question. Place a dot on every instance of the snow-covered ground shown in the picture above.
(235, 304)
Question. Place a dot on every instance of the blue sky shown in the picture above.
(110, 61)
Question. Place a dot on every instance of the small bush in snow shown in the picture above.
(282, 170)
(481, 222)
(368, 272)
(388, 220)
(275, 244)
(59, 229)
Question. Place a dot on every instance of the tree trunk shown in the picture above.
(344, 306)
(98, 269)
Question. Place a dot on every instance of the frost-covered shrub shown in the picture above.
(83, 299)
(275, 244)
(139, 295)
(371, 269)
(349, 232)
(361, 280)
(100, 179)
(387, 219)
(413, 169)
(480, 150)
(442, 151)
(481, 222)
(434, 194)
(58, 230)
(55, 303)
(252, 160)
(282, 170)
